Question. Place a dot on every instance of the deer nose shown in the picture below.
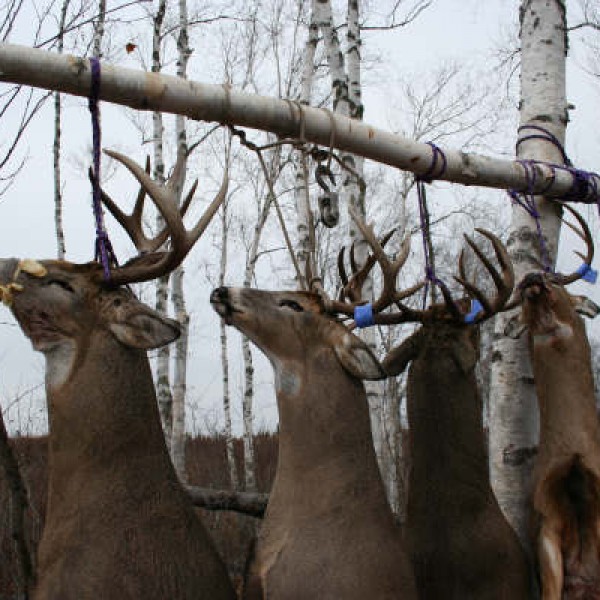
(219, 295)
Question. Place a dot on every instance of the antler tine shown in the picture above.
(164, 199)
(586, 235)
(132, 223)
(504, 281)
(390, 269)
(353, 287)
(342, 273)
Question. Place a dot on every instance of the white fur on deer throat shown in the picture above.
(59, 361)
(286, 380)
(562, 331)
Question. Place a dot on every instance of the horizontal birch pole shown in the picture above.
(142, 90)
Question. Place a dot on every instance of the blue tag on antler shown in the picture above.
(587, 273)
(476, 308)
(363, 315)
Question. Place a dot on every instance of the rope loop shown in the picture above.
(427, 177)
(103, 248)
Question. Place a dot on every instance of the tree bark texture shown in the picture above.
(163, 354)
(514, 420)
(229, 440)
(58, 196)
(177, 294)
(304, 235)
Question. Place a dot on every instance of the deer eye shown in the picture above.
(61, 283)
(292, 304)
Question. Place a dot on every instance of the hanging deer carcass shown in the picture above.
(118, 523)
(566, 475)
(460, 544)
(328, 532)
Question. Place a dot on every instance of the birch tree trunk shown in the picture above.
(177, 294)
(248, 396)
(301, 193)
(99, 30)
(58, 198)
(163, 380)
(514, 421)
(346, 84)
(229, 441)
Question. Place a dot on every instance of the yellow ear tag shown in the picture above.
(31, 267)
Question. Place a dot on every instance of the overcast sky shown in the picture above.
(467, 32)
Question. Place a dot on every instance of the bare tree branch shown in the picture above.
(248, 503)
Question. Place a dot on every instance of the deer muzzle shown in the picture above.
(9, 273)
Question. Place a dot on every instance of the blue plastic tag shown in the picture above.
(363, 315)
(587, 273)
(476, 308)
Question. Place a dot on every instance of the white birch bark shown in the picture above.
(229, 440)
(144, 91)
(301, 193)
(177, 293)
(513, 408)
(58, 197)
(248, 396)
(99, 30)
(163, 355)
(345, 78)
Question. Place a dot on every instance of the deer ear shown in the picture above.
(584, 306)
(356, 357)
(145, 329)
(514, 328)
(398, 358)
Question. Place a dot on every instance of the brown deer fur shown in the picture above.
(118, 524)
(566, 497)
(328, 532)
(460, 544)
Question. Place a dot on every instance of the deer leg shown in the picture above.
(550, 559)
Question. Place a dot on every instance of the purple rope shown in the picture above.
(427, 177)
(585, 183)
(543, 134)
(103, 248)
(526, 200)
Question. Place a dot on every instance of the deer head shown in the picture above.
(118, 522)
(59, 304)
(328, 531)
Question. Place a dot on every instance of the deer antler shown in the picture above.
(586, 235)
(352, 288)
(504, 281)
(350, 296)
(164, 197)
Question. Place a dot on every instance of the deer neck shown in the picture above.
(103, 417)
(564, 384)
(445, 416)
(325, 439)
